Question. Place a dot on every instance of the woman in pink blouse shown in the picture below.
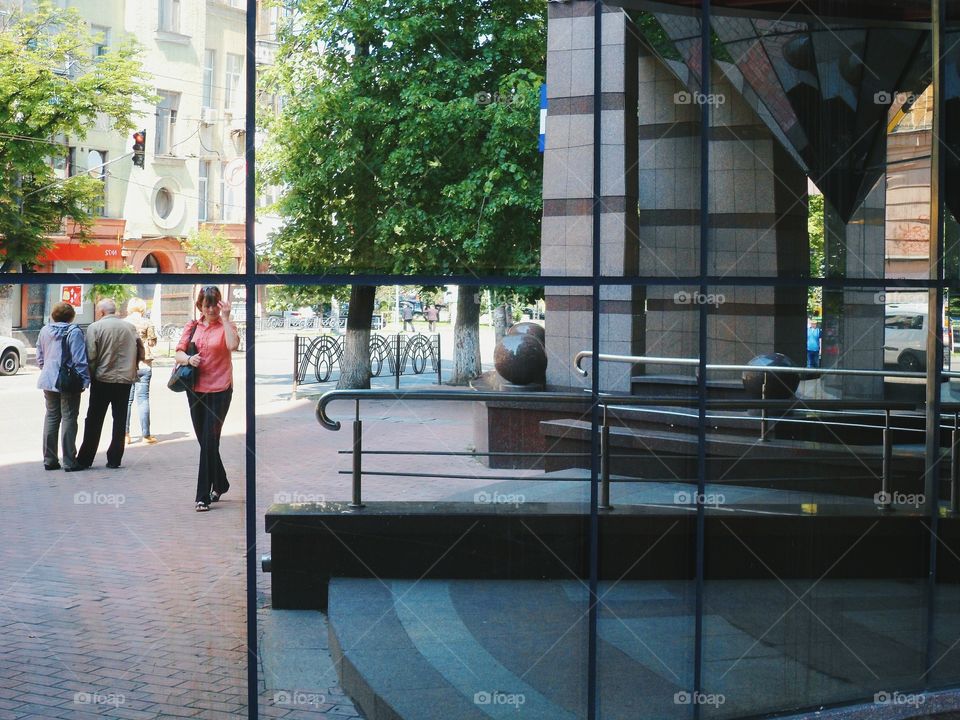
(215, 338)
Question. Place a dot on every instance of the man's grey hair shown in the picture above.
(107, 306)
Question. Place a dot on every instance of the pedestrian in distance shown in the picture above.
(214, 337)
(62, 408)
(136, 307)
(406, 312)
(114, 352)
(813, 344)
(431, 315)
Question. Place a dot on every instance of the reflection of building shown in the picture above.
(785, 106)
(908, 191)
(796, 92)
(194, 172)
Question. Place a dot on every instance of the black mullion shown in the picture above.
(594, 534)
(935, 304)
(705, 88)
(250, 126)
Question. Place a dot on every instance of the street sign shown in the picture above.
(72, 294)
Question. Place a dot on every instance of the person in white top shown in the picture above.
(136, 307)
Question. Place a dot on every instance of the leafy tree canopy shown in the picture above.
(408, 138)
(119, 293)
(52, 90)
(818, 261)
(212, 251)
(316, 297)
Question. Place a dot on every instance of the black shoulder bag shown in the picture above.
(183, 377)
(68, 379)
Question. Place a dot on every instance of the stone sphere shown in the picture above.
(527, 327)
(780, 386)
(521, 359)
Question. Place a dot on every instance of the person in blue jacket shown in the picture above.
(63, 409)
(813, 344)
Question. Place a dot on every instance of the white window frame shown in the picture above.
(203, 191)
(100, 208)
(233, 87)
(231, 198)
(165, 130)
(209, 74)
(168, 19)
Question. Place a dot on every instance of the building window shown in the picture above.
(96, 167)
(203, 191)
(101, 40)
(166, 122)
(232, 95)
(231, 191)
(163, 204)
(209, 67)
(63, 165)
(268, 21)
(169, 20)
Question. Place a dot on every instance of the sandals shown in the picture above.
(202, 507)
(214, 496)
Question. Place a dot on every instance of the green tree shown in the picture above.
(316, 297)
(408, 144)
(818, 261)
(118, 292)
(212, 251)
(51, 88)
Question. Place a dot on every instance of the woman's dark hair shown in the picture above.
(208, 295)
(63, 312)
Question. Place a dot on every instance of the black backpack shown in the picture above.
(68, 379)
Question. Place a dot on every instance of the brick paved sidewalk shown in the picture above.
(118, 600)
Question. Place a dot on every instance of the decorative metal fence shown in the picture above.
(316, 357)
(317, 322)
(171, 333)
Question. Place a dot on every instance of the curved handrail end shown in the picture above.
(322, 416)
(576, 361)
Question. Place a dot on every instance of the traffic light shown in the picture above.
(139, 147)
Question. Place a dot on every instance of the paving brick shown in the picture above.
(147, 598)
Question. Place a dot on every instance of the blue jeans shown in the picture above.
(141, 388)
(813, 358)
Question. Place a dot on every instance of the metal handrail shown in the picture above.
(448, 395)
(693, 362)
(585, 398)
(606, 401)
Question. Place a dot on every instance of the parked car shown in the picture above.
(905, 337)
(13, 354)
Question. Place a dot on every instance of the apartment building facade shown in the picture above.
(193, 173)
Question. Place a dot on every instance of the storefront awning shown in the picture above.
(76, 251)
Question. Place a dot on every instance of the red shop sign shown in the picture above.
(75, 251)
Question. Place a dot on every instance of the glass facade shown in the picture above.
(704, 464)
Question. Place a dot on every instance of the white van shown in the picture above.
(905, 337)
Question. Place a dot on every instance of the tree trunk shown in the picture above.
(466, 337)
(355, 361)
(6, 309)
(502, 321)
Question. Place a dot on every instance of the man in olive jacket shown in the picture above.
(114, 351)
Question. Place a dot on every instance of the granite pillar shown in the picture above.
(567, 232)
(853, 329)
